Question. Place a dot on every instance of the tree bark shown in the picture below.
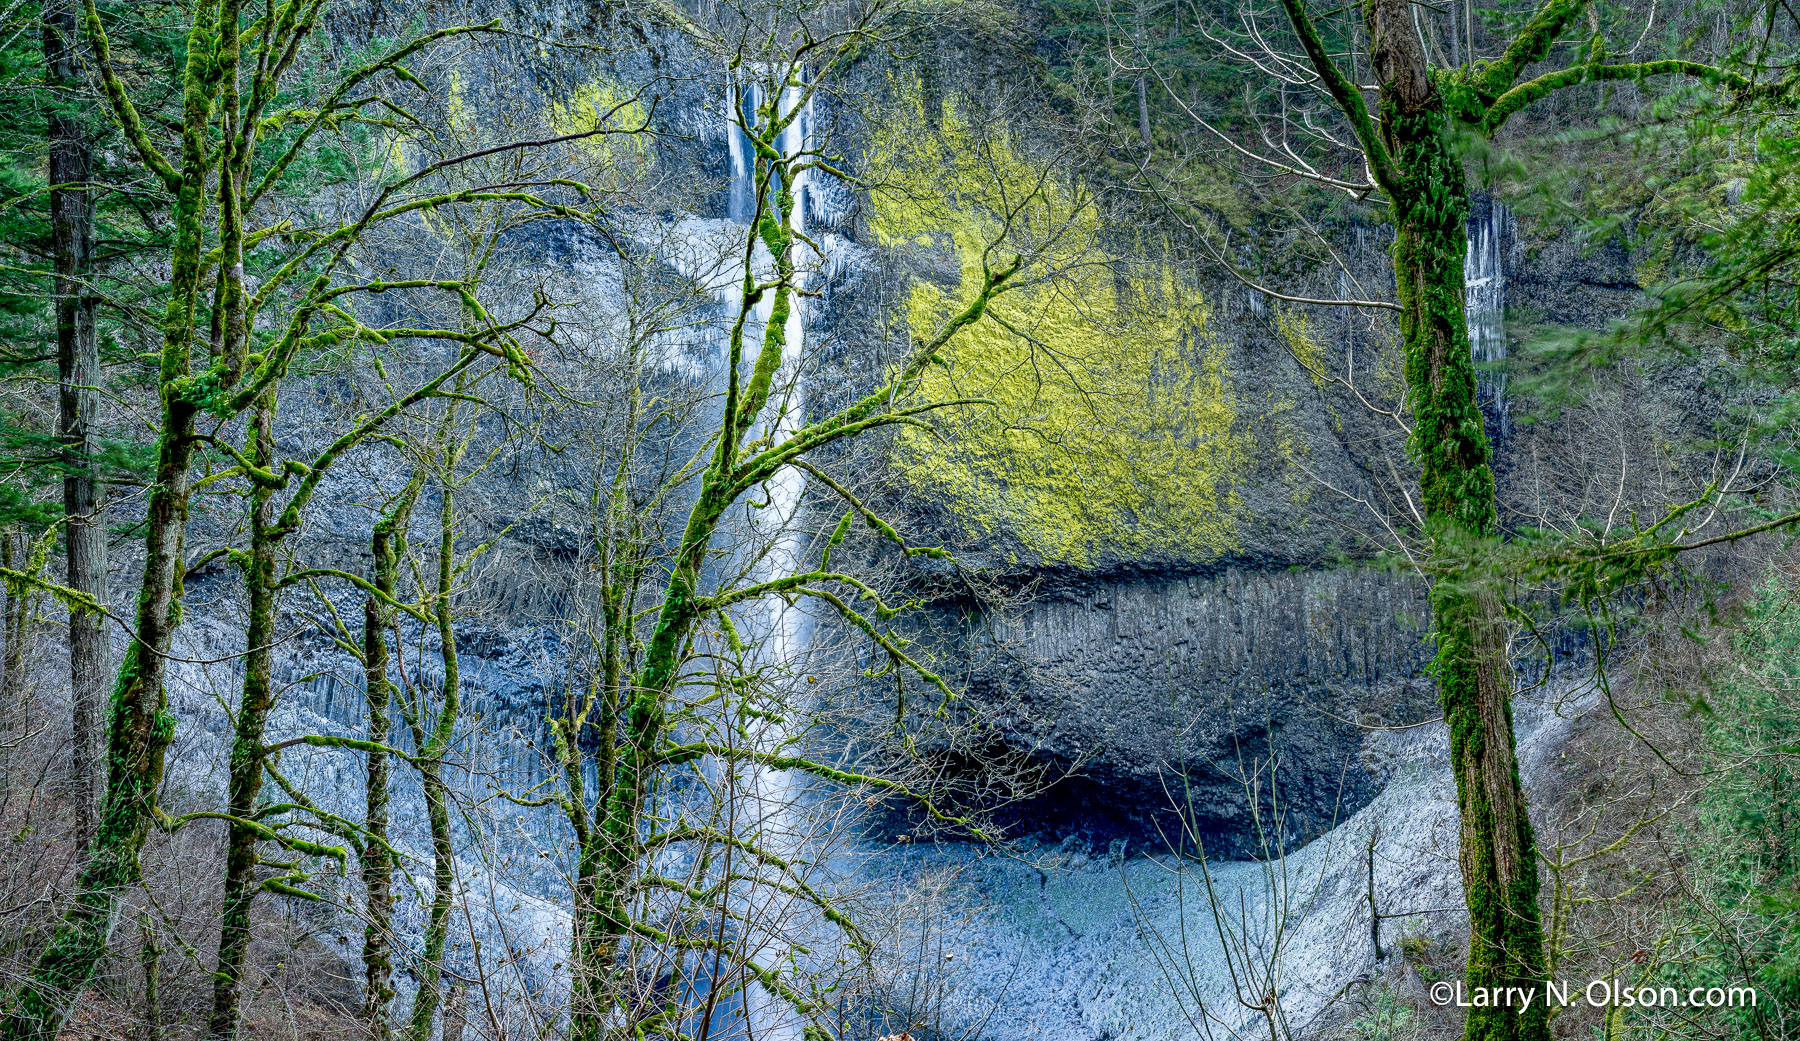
(17, 622)
(437, 925)
(377, 865)
(456, 1013)
(387, 541)
(150, 956)
(138, 735)
(247, 748)
(432, 749)
(1497, 847)
(595, 924)
(594, 939)
(139, 726)
(644, 721)
(78, 379)
(1143, 112)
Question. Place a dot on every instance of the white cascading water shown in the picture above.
(1484, 301)
(764, 808)
(709, 251)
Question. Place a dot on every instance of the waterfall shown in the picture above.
(765, 809)
(711, 251)
(523, 906)
(1484, 301)
(788, 485)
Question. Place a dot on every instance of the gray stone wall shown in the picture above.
(1152, 690)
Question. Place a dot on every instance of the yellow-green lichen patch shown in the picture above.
(608, 107)
(1112, 430)
(1303, 343)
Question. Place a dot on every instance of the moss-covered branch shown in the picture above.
(1345, 94)
(1511, 102)
(1530, 46)
(675, 755)
(124, 110)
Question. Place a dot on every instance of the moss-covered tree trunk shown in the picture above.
(138, 735)
(433, 748)
(1410, 157)
(635, 724)
(377, 864)
(611, 855)
(387, 542)
(17, 622)
(245, 771)
(623, 553)
(78, 381)
(593, 948)
(216, 136)
(139, 726)
(150, 960)
(1498, 855)
(430, 996)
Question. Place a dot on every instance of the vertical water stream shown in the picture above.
(763, 808)
(1484, 300)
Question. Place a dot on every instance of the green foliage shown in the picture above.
(1749, 857)
(1386, 1019)
(1740, 293)
(28, 451)
(31, 462)
(1698, 191)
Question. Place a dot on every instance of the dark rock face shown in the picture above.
(1159, 690)
(1567, 282)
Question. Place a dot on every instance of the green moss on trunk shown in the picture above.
(245, 769)
(1474, 677)
(387, 543)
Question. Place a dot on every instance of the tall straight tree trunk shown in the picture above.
(1143, 112)
(1498, 851)
(387, 542)
(456, 1013)
(150, 957)
(593, 945)
(138, 734)
(17, 624)
(78, 378)
(245, 777)
(139, 726)
(377, 864)
(586, 1018)
(218, 133)
(432, 748)
(437, 925)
